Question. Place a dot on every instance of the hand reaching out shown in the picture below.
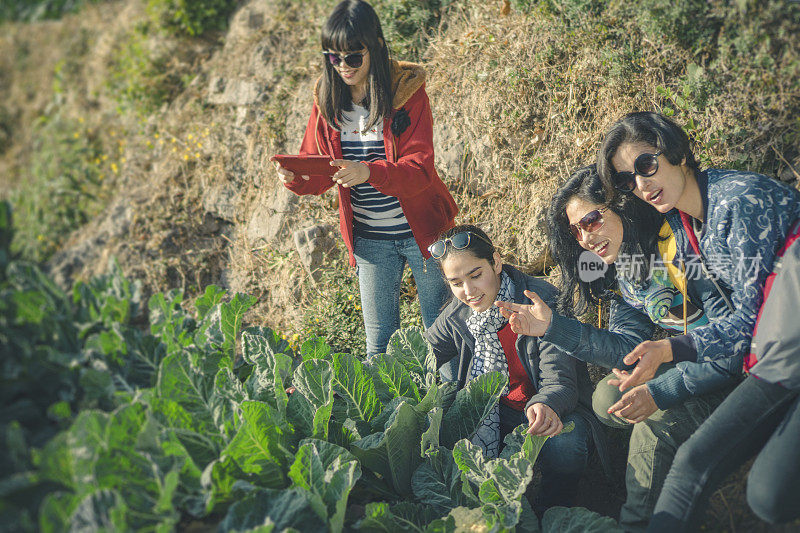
(532, 320)
(650, 355)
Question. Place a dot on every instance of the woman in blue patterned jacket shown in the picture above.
(734, 225)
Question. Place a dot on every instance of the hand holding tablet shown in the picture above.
(290, 166)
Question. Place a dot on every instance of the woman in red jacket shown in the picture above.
(371, 115)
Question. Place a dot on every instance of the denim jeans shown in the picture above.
(756, 417)
(380, 266)
(652, 447)
(563, 458)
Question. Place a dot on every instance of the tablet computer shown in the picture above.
(306, 165)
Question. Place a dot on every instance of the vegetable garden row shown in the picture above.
(110, 426)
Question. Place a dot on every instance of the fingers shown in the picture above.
(533, 297)
(636, 377)
(636, 353)
(621, 375)
(510, 306)
(622, 403)
(540, 421)
(284, 175)
(339, 163)
(555, 429)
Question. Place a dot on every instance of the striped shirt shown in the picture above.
(375, 215)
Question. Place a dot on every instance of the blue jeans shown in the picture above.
(380, 266)
(563, 458)
(756, 418)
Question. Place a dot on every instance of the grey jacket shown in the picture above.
(777, 340)
(561, 382)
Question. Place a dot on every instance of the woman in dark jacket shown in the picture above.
(546, 389)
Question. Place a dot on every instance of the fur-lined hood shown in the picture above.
(407, 78)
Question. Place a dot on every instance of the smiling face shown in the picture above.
(664, 189)
(353, 77)
(474, 281)
(606, 240)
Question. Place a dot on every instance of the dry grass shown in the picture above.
(519, 101)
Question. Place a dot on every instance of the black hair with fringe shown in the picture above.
(353, 25)
(649, 128)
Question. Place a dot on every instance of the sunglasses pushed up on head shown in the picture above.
(645, 165)
(352, 60)
(591, 221)
(459, 241)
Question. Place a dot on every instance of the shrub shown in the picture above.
(62, 189)
(406, 24)
(140, 77)
(31, 10)
(335, 313)
(191, 17)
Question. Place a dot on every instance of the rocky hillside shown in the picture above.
(122, 139)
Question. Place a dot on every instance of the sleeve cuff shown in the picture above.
(563, 332)
(668, 389)
(377, 174)
(683, 349)
(554, 401)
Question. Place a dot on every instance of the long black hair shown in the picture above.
(646, 127)
(354, 25)
(640, 225)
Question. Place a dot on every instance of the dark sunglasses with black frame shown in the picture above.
(645, 165)
(459, 241)
(352, 60)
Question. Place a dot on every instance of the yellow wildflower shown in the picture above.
(114, 168)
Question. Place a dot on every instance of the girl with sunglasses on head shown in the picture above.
(372, 117)
(734, 224)
(644, 291)
(546, 388)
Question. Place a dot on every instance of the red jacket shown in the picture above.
(408, 172)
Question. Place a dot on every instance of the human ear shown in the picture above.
(497, 263)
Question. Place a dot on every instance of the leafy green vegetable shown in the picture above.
(473, 403)
(577, 520)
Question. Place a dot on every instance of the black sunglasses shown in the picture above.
(352, 60)
(645, 166)
(591, 221)
(459, 241)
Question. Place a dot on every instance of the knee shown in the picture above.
(605, 396)
(769, 499)
(566, 454)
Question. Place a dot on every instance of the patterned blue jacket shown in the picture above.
(747, 218)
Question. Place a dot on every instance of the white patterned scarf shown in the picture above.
(489, 357)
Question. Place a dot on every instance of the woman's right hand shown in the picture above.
(532, 320)
(286, 176)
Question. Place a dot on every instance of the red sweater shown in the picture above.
(408, 173)
(520, 388)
